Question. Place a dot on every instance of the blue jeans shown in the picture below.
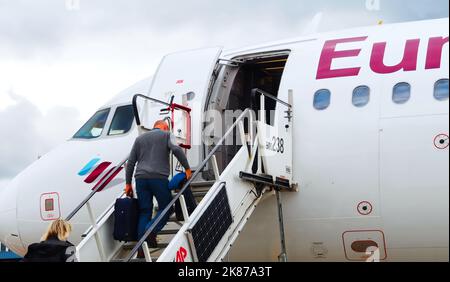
(146, 189)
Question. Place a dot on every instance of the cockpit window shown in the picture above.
(122, 121)
(93, 128)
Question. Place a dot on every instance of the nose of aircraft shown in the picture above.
(9, 234)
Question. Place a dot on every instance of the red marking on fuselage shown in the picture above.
(99, 187)
(97, 171)
(181, 255)
(409, 62)
(329, 53)
(434, 55)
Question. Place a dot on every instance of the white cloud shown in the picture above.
(63, 60)
(27, 133)
(82, 58)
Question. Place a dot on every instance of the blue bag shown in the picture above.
(176, 183)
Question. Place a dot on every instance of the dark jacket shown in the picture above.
(52, 250)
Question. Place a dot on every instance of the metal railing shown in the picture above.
(94, 230)
(265, 94)
(136, 110)
(107, 178)
(270, 96)
(97, 187)
(188, 183)
(101, 217)
(122, 163)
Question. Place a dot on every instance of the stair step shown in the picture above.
(139, 260)
(169, 232)
(200, 194)
(174, 219)
(198, 184)
(200, 189)
(160, 246)
(131, 246)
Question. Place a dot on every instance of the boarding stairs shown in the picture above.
(224, 205)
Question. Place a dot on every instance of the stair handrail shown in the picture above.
(135, 107)
(111, 172)
(270, 96)
(96, 189)
(101, 217)
(186, 185)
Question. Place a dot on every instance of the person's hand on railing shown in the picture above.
(129, 190)
(188, 174)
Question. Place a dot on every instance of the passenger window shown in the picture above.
(122, 121)
(93, 128)
(361, 96)
(401, 93)
(441, 90)
(322, 99)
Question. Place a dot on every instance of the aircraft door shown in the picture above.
(186, 76)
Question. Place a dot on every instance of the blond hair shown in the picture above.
(58, 229)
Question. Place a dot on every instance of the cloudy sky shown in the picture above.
(62, 59)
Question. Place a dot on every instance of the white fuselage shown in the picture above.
(376, 173)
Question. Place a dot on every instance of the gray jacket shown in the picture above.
(151, 153)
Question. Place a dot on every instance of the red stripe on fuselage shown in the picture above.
(97, 171)
(110, 178)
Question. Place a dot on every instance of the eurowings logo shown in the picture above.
(95, 171)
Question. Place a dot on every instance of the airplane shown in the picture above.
(369, 144)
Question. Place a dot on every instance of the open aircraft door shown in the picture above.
(187, 77)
